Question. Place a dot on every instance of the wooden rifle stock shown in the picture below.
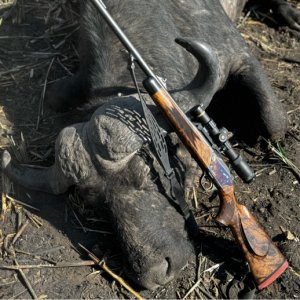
(265, 260)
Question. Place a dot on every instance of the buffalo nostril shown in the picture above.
(169, 267)
(158, 272)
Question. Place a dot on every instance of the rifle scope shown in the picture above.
(220, 137)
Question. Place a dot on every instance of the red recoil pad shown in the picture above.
(273, 276)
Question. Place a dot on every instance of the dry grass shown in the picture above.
(47, 56)
(31, 61)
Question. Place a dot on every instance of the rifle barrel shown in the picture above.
(123, 38)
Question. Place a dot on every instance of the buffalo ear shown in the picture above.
(269, 115)
(248, 106)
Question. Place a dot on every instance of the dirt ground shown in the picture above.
(41, 233)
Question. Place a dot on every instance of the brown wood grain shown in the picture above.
(263, 256)
(187, 132)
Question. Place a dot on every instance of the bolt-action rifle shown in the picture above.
(265, 260)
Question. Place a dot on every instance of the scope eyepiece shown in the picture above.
(239, 165)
